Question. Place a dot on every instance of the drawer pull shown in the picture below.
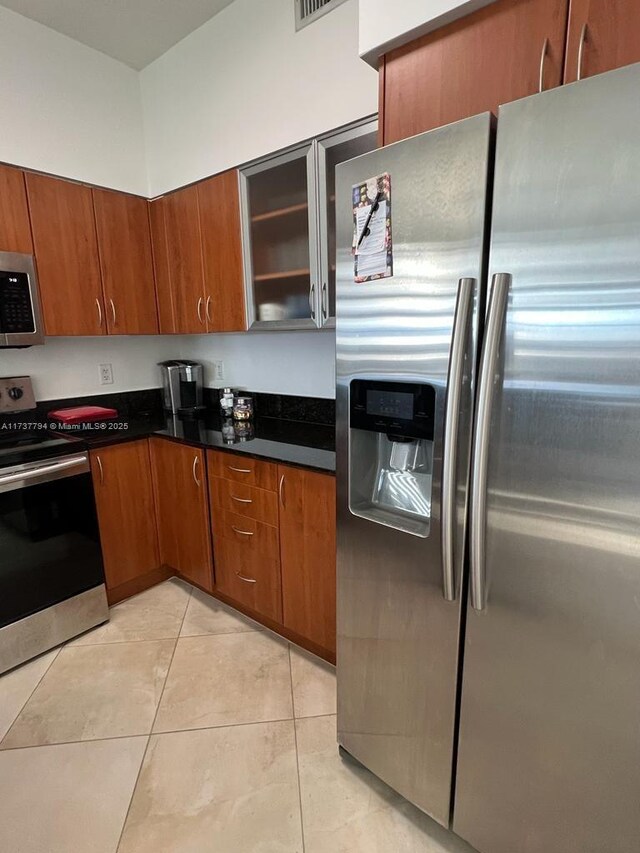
(239, 470)
(246, 580)
(241, 500)
(241, 532)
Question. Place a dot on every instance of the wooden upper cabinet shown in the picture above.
(498, 54)
(15, 228)
(184, 260)
(164, 300)
(124, 244)
(219, 204)
(308, 554)
(66, 249)
(603, 35)
(182, 507)
(126, 514)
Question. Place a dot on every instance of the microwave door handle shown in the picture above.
(498, 298)
(461, 320)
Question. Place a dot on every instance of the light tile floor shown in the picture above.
(183, 727)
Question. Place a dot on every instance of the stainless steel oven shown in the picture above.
(51, 573)
(20, 317)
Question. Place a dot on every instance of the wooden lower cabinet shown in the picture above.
(182, 507)
(124, 499)
(308, 554)
(249, 501)
(247, 556)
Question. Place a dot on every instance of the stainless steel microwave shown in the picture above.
(20, 317)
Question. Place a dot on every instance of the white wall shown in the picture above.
(385, 25)
(241, 86)
(274, 362)
(68, 367)
(68, 109)
(245, 84)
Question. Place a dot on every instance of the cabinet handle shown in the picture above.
(99, 461)
(325, 309)
(583, 38)
(312, 293)
(281, 490)
(200, 310)
(242, 500)
(239, 470)
(206, 309)
(241, 532)
(113, 311)
(196, 459)
(246, 580)
(543, 56)
(99, 307)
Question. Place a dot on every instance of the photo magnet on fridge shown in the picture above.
(372, 243)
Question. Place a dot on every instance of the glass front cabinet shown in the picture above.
(288, 216)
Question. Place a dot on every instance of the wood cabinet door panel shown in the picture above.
(308, 554)
(219, 203)
(15, 227)
(66, 249)
(126, 512)
(242, 469)
(124, 245)
(473, 65)
(248, 501)
(180, 487)
(164, 296)
(611, 38)
(248, 562)
(184, 252)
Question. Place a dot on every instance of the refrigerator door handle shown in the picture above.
(461, 319)
(488, 363)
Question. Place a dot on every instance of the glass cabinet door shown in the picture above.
(280, 241)
(333, 149)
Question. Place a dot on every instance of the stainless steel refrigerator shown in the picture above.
(547, 756)
(406, 349)
(549, 753)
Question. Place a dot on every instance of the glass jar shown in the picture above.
(226, 402)
(243, 408)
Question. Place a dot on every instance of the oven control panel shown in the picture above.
(16, 394)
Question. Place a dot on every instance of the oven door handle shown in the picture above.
(31, 475)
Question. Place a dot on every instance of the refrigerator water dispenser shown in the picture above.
(391, 453)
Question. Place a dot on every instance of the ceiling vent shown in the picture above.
(308, 11)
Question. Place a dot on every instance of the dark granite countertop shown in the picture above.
(294, 430)
(298, 443)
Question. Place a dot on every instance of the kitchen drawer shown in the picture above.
(251, 472)
(248, 501)
(248, 563)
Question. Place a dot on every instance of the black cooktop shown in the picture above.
(19, 446)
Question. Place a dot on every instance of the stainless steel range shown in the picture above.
(51, 573)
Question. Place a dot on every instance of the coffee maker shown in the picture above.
(181, 386)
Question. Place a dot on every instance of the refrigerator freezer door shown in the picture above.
(549, 749)
(398, 637)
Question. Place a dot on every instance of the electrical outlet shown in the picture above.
(218, 371)
(106, 374)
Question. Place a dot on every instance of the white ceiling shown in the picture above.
(134, 31)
